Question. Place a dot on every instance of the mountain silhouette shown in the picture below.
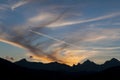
(12, 71)
(87, 66)
(113, 62)
(54, 66)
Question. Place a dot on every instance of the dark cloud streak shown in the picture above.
(26, 38)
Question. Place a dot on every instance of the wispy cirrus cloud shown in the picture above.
(106, 48)
(42, 18)
(91, 39)
(12, 43)
(23, 2)
(94, 35)
(18, 4)
(67, 22)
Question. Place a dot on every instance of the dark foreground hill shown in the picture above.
(11, 71)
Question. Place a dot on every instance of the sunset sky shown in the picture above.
(66, 31)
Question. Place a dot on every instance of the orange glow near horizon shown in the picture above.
(68, 56)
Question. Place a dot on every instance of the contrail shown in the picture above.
(53, 38)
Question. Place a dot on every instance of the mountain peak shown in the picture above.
(88, 62)
(23, 60)
(112, 62)
(114, 59)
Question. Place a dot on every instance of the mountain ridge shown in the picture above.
(88, 65)
(11, 71)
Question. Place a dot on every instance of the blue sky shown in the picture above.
(66, 31)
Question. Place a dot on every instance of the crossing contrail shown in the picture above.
(53, 38)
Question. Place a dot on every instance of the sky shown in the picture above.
(64, 31)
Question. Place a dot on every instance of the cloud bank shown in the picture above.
(60, 31)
